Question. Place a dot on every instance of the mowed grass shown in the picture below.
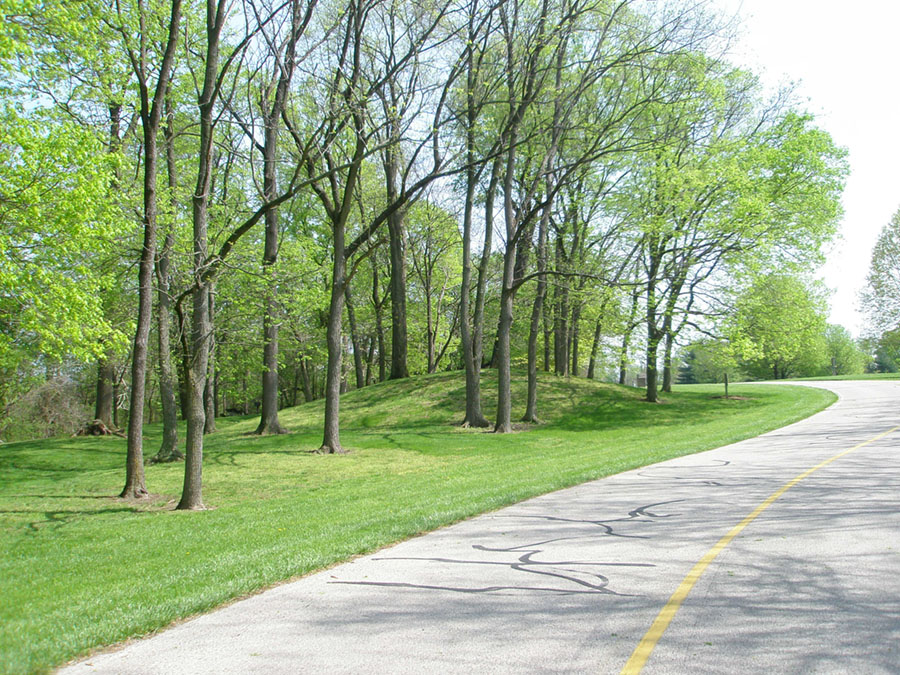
(81, 569)
(861, 376)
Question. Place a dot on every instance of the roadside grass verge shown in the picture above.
(861, 376)
(81, 569)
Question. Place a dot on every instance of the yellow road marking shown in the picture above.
(645, 647)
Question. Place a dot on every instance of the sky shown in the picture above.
(845, 58)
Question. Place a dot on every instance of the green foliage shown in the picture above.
(887, 352)
(781, 318)
(708, 362)
(844, 355)
(57, 221)
(281, 512)
(881, 297)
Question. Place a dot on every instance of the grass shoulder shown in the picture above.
(82, 569)
(862, 376)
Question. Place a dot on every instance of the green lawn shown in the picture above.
(861, 376)
(81, 569)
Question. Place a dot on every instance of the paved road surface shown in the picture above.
(571, 581)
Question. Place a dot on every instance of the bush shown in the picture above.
(52, 408)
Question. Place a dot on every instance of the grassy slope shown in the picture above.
(861, 376)
(81, 569)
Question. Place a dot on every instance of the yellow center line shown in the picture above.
(642, 652)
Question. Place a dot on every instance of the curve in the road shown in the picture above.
(642, 652)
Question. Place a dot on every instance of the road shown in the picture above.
(572, 581)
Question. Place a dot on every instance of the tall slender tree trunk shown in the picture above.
(654, 336)
(469, 332)
(548, 334)
(576, 325)
(168, 451)
(595, 347)
(201, 329)
(106, 373)
(370, 357)
(272, 111)
(355, 340)
(331, 440)
(507, 297)
(209, 390)
(379, 322)
(537, 312)
(626, 337)
(135, 486)
(483, 265)
(667, 358)
(561, 318)
(397, 246)
(504, 375)
(305, 381)
(430, 332)
(103, 405)
(151, 113)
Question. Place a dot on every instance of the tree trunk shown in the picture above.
(115, 410)
(209, 390)
(654, 335)
(626, 338)
(595, 347)
(397, 232)
(151, 114)
(103, 407)
(281, 78)
(370, 357)
(652, 374)
(504, 376)
(430, 331)
(184, 399)
(305, 381)
(576, 325)
(192, 489)
(355, 340)
(168, 451)
(473, 357)
(667, 364)
(560, 325)
(379, 322)
(192, 492)
(548, 332)
(507, 298)
(331, 440)
(537, 312)
(135, 486)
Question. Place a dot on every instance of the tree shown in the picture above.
(844, 356)
(153, 83)
(332, 152)
(881, 297)
(56, 216)
(783, 318)
(272, 103)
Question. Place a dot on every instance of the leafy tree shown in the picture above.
(56, 217)
(887, 352)
(844, 355)
(881, 297)
(783, 319)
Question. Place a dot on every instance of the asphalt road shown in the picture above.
(572, 581)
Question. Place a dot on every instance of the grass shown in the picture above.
(82, 569)
(861, 376)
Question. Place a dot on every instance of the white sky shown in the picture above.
(846, 59)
